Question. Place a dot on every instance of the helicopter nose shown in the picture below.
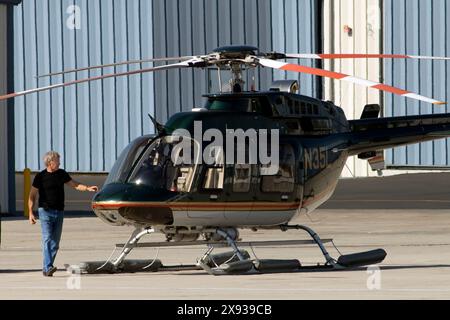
(125, 203)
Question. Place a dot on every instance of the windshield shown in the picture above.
(127, 158)
(156, 169)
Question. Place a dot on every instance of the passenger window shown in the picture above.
(283, 181)
(315, 109)
(266, 107)
(303, 108)
(297, 107)
(291, 106)
(214, 178)
(184, 179)
(242, 178)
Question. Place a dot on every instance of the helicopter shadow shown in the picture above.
(327, 270)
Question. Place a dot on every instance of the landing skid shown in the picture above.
(237, 261)
(248, 266)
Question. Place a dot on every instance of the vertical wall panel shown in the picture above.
(417, 27)
(412, 69)
(121, 54)
(83, 106)
(31, 101)
(43, 57)
(146, 42)
(97, 148)
(109, 85)
(186, 76)
(19, 103)
(70, 157)
(56, 24)
(439, 22)
(265, 35)
(134, 82)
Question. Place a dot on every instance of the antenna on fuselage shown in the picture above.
(158, 126)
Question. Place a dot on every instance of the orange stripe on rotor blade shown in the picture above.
(8, 96)
(314, 71)
(387, 88)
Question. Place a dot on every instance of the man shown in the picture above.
(49, 184)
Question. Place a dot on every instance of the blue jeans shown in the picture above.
(51, 224)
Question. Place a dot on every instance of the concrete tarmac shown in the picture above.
(408, 216)
(417, 265)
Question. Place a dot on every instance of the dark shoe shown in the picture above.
(50, 272)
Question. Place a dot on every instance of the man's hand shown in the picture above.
(92, 189)
(81, 187)
(32, 218)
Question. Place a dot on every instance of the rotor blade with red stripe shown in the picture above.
(344, 77)
(115, 65)
(185, 64)
(359, 56)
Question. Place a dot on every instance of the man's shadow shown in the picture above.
(11, 271)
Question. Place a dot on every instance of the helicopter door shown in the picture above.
(208, 202)
(277, 192)
(240, 192)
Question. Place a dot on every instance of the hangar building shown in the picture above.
(91, 123)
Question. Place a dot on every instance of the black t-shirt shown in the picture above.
(51, 188)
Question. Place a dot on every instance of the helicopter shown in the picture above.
(202, 194)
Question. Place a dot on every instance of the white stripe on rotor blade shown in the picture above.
(429, 58)
(422, 98)
(363, 82)
(303, 56)
(272, 63)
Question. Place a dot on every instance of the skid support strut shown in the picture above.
(134, 239)
(328, 259)
(236, 253)
(231, 243)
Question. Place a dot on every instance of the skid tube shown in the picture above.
(230, 263)
(244, 265)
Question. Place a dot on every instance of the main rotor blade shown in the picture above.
(344, 77)
(185, 64)
(359, 56)
(115, 65)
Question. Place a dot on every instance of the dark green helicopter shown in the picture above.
(183, 182)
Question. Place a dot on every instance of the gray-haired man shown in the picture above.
(49, 184)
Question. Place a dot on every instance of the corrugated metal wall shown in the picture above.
(418, 27)
(90, 124)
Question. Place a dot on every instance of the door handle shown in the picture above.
(213, 197)
(284, 197)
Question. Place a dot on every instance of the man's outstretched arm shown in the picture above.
(81, 187)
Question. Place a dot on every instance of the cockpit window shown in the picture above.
(127, 159)
(156, 168)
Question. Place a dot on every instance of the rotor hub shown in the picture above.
(236, 52)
